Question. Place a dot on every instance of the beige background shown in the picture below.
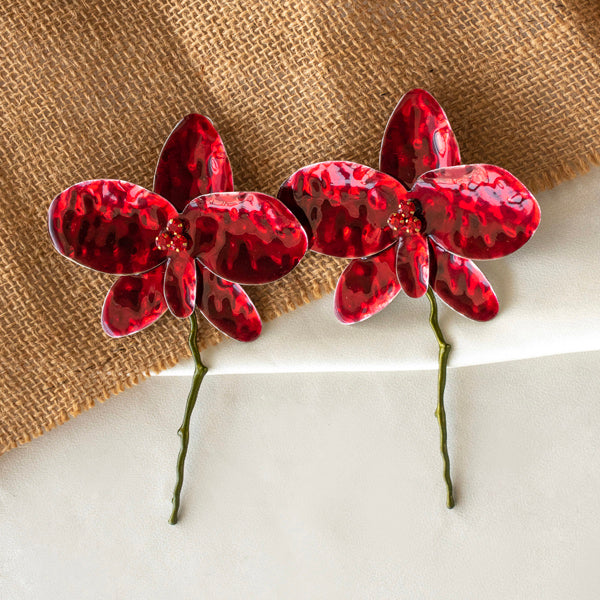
(314, 470)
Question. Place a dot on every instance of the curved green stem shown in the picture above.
(440, 411)
(184, 431)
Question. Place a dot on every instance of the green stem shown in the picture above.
(184, 431)
(440, 411)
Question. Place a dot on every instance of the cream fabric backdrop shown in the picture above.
(314, 469)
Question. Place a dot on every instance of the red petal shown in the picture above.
(477, 211)
(245, 237)
(412, 265)
(134, 302)
(366, 286)
(109, 225)
(180, 286)
(344, 207)
(418, 138)
(227, 306)
(193, 162)
(461, 285)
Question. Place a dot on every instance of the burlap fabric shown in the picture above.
(90, 89)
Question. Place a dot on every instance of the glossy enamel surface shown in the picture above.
(412, 265)
(193, 162)
(418, 138)
(366, 286)
(477, 211)
(180, 286)
(134, 302)
(460, 284)
(344, 206)
(120, 228)
(451, 214)
(245, 237)
(110, 226)
(227, 306)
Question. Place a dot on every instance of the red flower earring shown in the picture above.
(414, 225)
(188, 244)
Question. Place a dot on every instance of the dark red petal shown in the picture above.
(461, 285)
(477, 211)
(344, 207)
(134, 302)
(109, 225)
(193, 162)
(418, 138)
(245, 237)
(227, 306)
(367, 286)
(180, 286)
(412, 265)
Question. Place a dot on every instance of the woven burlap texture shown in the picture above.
(91, 89)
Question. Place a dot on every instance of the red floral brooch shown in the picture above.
(414, 225)
(187, 244)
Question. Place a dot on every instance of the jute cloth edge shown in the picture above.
(316, 291)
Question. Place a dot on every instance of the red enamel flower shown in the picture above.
(189, 243)
(417, 222)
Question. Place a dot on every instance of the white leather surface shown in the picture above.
(314, 469)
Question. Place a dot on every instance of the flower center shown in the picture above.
(173, 237)
(405, 220)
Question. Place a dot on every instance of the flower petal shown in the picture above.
(134, 302)
(180, 286)
(193, 162)
(109, 225)
(227, 306)
(344, 207)
(477, 211)
(246, 237)
(461, 285)
(367, 286)
(418, 138)
(412, 265)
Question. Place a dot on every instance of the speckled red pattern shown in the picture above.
(227, 306)
(193, 162)
(460, 284)
(477, 211)
(245, 237)
(180, 286)
(110, 226)
(366, 286)
(412, 265)
(134, 302)
(345, 207)
(418, 138)
(120, 228)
